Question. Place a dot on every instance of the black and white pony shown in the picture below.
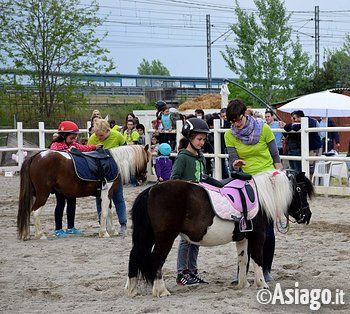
(163, 211)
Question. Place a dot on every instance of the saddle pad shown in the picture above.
(231, 208)
(87, 170)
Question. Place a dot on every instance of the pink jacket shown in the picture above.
(62, 146)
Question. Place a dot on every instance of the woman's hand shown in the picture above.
(238, 163)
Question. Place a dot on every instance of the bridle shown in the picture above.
(303, 203)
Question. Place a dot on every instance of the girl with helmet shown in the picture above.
(190, 165)
(67, 137)
(164, 164)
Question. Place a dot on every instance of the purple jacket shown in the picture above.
(164, 166)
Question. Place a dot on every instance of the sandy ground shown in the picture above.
(87, 274)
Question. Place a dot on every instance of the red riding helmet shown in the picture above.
(68, 127)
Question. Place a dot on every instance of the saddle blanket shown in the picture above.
(227, 202)
(86, 167)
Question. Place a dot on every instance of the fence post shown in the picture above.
(42, 135)
(217, 150)
(179, 136)
(304, 136)
(20, 143)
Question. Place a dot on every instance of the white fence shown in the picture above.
(217, 155)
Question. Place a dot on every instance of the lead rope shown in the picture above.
(282, 227)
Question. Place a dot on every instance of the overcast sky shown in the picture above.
(174, 31)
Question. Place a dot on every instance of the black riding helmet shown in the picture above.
(160, 104)
(194, 125)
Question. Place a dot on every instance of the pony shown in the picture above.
(50, 171)
(163, 211)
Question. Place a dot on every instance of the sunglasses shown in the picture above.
(239, 119)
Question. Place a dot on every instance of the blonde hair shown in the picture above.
(101, 125)
(96, 113)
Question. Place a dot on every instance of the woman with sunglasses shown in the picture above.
(252, 148)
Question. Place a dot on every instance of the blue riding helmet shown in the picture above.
(165, 149)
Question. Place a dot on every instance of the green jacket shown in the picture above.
(188, 167)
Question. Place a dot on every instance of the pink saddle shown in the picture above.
(230, 201)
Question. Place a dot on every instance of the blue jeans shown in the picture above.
(119, 203)
(187, 256)
(295, 164)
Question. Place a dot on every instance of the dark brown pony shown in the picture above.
(163, 211)
(50, 171)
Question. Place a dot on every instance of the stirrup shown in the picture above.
(244, 227)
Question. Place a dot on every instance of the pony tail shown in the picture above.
(25, 201)
(142, 238)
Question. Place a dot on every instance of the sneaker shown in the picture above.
(185, 280)
(74, 231)
(60, 233)
(267, 276)
(197, 278)
(123, 230)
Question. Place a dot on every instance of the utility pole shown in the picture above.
(208, 52)
(317, 38)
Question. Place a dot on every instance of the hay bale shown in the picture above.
(205, 101)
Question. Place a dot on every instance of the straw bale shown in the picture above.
(205, 101)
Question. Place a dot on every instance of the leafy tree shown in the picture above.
(47, 37)
(265, 58)
(153, 68)
(335, 71)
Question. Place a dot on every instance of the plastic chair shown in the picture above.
(338, 171)
(322, 174)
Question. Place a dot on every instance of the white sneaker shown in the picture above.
(123, 230)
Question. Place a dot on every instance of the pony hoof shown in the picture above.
(103, 235)
(111, 232)
(243, 285)
(130, 294)
(130, 289)
(41, 236)
(262, 287)
(159, 290)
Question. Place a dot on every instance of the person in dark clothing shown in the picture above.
(332, 137)
(294, 139)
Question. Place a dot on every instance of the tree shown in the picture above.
(49, 37)
(265, 58)
(153, 68)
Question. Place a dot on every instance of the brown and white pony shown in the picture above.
(50, 171)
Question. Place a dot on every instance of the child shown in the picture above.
(154, 149)
(190, 165)
(67, 138)
(131, 136)
(140, 128)
(164, 164)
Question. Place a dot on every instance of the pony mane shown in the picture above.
(275, 193)
(130, 159)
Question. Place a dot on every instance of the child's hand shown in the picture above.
(160, 179)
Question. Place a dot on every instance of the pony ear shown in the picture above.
(146, 147)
